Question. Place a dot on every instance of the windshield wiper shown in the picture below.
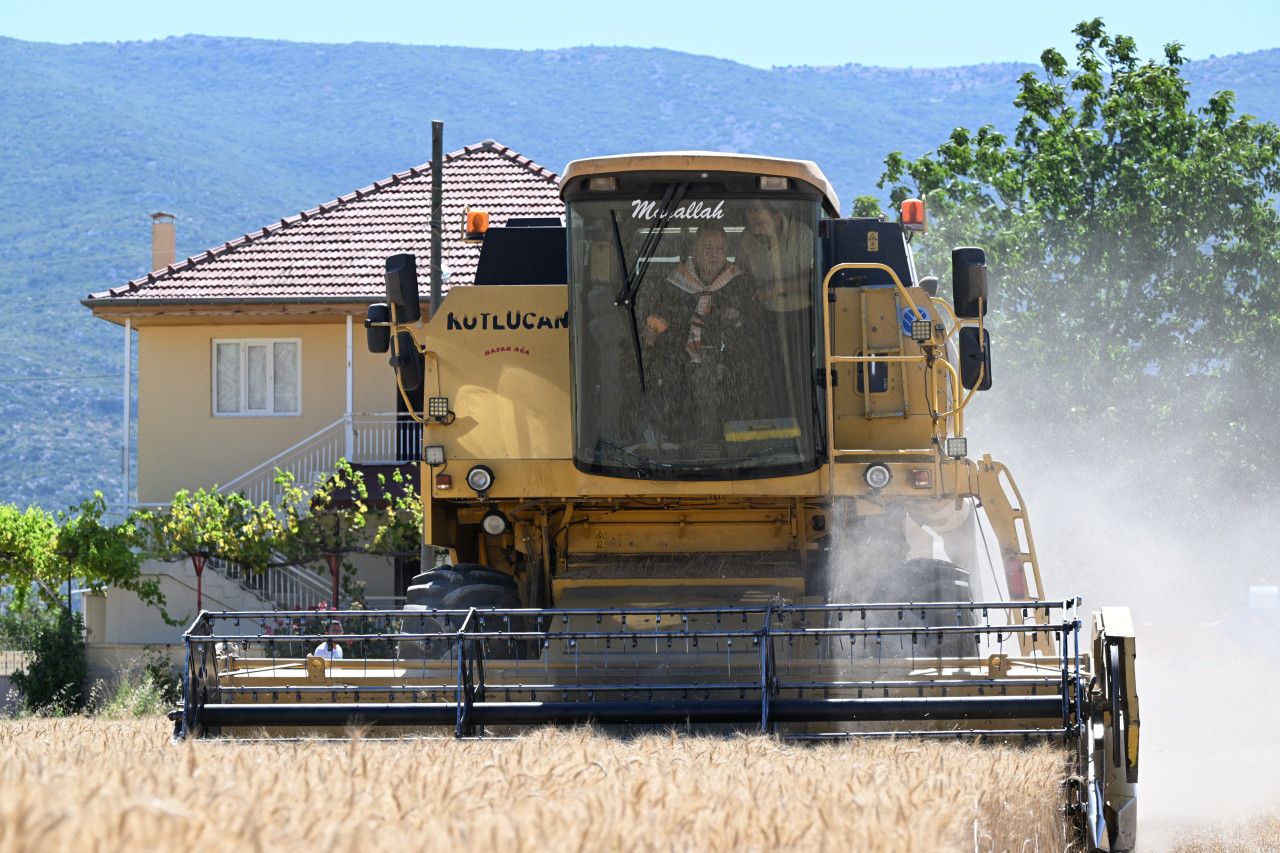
(631, 287)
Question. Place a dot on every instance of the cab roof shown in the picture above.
(711, 161)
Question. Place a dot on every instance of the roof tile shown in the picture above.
(337, 249)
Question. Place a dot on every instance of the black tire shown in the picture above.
(444, 573)
(485, 575)
(924, 581)
(481, 595)
(429, 588)
(485, 595)
(433, 645)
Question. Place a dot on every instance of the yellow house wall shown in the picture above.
(181, 444)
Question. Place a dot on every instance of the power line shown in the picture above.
(61, 378)
(68, 260)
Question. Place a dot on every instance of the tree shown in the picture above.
(326, 522)
(341, 515)
(1135, 252)
(53, 680)
(40, 551)
(208, 524)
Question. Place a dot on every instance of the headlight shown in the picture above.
(480, 478)
(877, 475)
(494, 523)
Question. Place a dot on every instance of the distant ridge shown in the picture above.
(231, 134)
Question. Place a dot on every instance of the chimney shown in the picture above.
(163, 252)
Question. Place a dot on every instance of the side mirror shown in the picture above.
(401, 277)
(930, 284)
(975, 358)
(407, 361)
(969, 281)
(377, 324)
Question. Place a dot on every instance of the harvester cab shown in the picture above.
(697, 456)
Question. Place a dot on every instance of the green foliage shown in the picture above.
(334, 517)
(327, 519)
(27, 540)
(1134, 245)
(866, 205)
(150, 687)
(53, 681)
(204, 524)
(40, 550)
(339, 515)
(399, 532)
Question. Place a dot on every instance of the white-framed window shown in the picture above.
(257, 376)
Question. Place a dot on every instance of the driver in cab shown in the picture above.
(695, 301)
(698, 325)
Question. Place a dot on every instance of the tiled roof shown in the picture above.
(335, 252)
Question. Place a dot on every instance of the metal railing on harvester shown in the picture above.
(938, 669)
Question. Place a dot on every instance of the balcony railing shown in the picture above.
(362, 438)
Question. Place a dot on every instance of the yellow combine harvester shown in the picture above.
(698, 457)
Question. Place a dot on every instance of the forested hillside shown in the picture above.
(229, 134)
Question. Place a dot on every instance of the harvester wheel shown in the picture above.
(486, 575)
(429, 588)
(481, 595)
(923, 581)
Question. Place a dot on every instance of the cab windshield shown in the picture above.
(694, 335)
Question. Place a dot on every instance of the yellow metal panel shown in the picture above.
(512, 477)
(501, 356)
(873, 421)
(677, 537)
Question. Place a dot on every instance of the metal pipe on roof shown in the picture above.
(437, 205)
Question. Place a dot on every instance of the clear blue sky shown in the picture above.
(925, 33)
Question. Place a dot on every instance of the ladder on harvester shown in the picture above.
(882, 335)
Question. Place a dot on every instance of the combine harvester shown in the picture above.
(698, 459)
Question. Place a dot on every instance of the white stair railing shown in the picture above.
(363, 438)
(282, 587)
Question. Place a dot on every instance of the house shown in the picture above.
(251, 357)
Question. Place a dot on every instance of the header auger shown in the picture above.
(697, 457)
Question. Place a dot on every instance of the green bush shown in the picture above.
(53, 682)
(148, 688)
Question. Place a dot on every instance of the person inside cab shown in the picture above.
(777, 252)
(696, 328)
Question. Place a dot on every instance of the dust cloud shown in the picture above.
(1116, 524)
(1115, 532)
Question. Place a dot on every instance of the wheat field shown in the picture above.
(101, 785)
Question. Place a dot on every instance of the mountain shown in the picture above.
(229, 134)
